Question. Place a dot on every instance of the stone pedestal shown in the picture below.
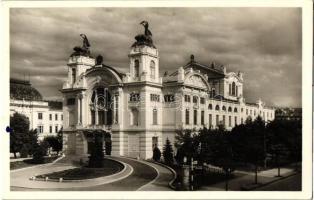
(185, 177)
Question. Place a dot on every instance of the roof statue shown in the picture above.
(146, 38)
(84, 49)
(147, 31)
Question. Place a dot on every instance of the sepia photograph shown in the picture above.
(194, 99)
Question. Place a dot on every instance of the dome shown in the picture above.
(20, 89)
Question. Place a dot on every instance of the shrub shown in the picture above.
(97, 154)
(156, 154)
(39, 153)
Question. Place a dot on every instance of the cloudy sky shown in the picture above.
(264, 43)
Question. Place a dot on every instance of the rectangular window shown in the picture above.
(134, 97)
(73, 75)
(224, 120)
(50, 117)
(50, 129)
(187, 116)
(154, 97)
(217, 120)
(56, 117)
(229, 121)
(56, 129)
(235, 121)
(61, 117)
(202, 117)
(169, 98)
(202, 100)
(195, 117)
(40, 115)
(210, 120)
(187, 98)
(71, 101)
(40, 129)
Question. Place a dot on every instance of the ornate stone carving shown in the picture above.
(196, 81)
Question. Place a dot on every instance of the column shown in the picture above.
(96, 108)
(78, 109)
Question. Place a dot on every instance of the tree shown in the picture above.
(168, 153)
(187, 145)
(54, 142)
(156, 154)
(32, 141)
(20, 126)
(255, 144)
(217, 149)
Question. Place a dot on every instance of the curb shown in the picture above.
(268, 183)
(46, 164)
(170, 184)
(163, 165)
(90, 179)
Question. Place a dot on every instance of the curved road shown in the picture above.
(141, 176)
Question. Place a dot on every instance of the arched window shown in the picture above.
(224, 108)
(233, 88)
(134, 117)
(210, 106)
(236, 92)
(152, 69)
(100, 107)
(136, 68)
(235, 110)
(217, 107)
(229, 89)
(229, 109)
(155, 120)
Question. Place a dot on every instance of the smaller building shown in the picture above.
(291, 114)
(45, 116)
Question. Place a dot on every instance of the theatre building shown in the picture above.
(140, 109)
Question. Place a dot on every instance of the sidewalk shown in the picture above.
(20, 178)
(245, 178)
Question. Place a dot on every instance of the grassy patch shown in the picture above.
(29, 163)
(110, 167)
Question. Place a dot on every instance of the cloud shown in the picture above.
(264, 43)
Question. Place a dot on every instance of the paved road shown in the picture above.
(292, 183)
(142, 175)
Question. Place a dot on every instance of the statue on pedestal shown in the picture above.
(146, 38)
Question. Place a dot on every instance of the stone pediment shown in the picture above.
(197, 81)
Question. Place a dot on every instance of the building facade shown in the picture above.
(140, 109)
(45, 116)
